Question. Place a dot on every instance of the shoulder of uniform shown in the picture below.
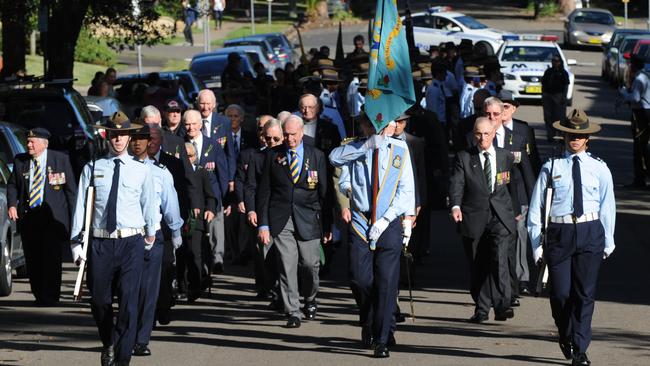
(347, 140)
(159, 165)
(596, 158)
(138, 160)
(167, 153)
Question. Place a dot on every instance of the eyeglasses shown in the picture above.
(506, 106)
(492, 114)
(308, 107)
(274, 138)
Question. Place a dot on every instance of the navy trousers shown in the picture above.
(374, 279)
(149, 289)
(574, 253)
(119, 260)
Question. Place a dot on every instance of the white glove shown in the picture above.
(377, 229)
(177, 242)
(373, 142)
(407, 226)
(77, 254)
(537, 255)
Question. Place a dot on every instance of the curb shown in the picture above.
(292, 34)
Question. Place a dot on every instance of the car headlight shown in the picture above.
(509, 77)
(578, 33)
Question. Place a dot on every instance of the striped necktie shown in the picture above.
(294, 168)
(487, 169)
(36, 191)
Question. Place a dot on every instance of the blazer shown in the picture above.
(59, 198)
(523, 175)
(523, 128)
(182, 180)
(203, 196)
(303, 201)
(248, 140)
(416, 151)
(243, 164)
(219, 178)
(253, 176)
(468, 189)
(221, 131)
(327, 136)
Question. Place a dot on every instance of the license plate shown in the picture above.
(533, 89)
(595, 41)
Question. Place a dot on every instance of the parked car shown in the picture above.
(589, 27)
(208, 69)
(610, 51)
(284, 50)
(103, 106)
(626, 47)
(254, 53)
(56, 107)
(11, 248)
(523, 64)
(13, 141)
(257, 40)
(439, 24)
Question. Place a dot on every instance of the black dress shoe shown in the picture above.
(504, 315)
(381, 351)
(121, 363)
(514, 303)
(580, 359)
(310, 310)
(217, 268)
(400, 318)
(163, 317)
(566, 346)
(108, 356)
(367, 338)
(391, 341)
(141, 350)
(478, 317)
(524, 291)
(293, 322)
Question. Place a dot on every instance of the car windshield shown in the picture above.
(594, 17)
(529, 54)
(644, 52)
(214, 66)
(628, 44)
(470, 22)
(50, 112)
(263, 45)
(276, 42)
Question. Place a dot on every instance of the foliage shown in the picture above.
(170, 8)
(83, 72)
(341, 15)
(547, 8)
(93, 50)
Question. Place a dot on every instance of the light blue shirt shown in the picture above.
(334, 115)
(355, 99)
(639, 94)
(166, 197)
(450, 84)
(597, 195)
(358, 160)
(42, 161)
(491, 87)
(136, 197)
(435, 100)
(467, 100)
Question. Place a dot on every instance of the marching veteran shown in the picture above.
(579, 235)
(40, 196)
(123, 226)
(383, 191)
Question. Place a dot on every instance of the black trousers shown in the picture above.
(489, 276)
(43, 242)
(198, 259)
(640, 137)
(554, 106)
(167, 275)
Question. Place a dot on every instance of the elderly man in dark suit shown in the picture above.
(41, 194)
(480, 197)
(292, 185)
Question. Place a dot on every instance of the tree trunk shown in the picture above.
(14, 36)
(567, 6)
(66, 19)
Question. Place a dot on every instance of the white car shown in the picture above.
(439, 24)
(523, 64)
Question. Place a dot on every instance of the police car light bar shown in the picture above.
(531, 37)
(439, 9)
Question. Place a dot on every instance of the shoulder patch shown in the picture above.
(159, 165)
(596, 157)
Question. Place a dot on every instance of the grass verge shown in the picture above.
(83, 72)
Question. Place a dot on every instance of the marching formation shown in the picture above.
(293, 170)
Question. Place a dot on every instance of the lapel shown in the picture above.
(205, 150)
(477, 168)
(306, 162)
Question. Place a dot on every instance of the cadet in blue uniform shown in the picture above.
(167, 200)
(123, 224)
(374, 274)
(580, 232)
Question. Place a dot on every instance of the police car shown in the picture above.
(523, 63)
(439, 24)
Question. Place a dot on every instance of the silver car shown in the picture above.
(589, 27)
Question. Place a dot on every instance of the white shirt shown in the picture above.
(207, 124)
(501, 136)
(508, 125)
(310, 128)
(493, 163)
(219, 5)
(198, 141)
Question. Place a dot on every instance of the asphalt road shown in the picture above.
(232, 328)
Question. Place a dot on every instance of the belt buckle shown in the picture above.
(574, 218)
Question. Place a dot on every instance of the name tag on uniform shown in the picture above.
(557, 177)
(503, 178)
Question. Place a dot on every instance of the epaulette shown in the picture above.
(138, 160)
(347, 140)
(596, 157)
(159, 165)
(168, 153)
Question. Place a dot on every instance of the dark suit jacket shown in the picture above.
(523, 128)
(203, 196)
(243, 164)
(310, 210)
(58, 200)
(182, 180)
(219, 178)
(523, 176)
(468, 189)
(253, 175)
(416, 151)
(248, 140)
(465, 126)
(221, 128)
(327, 136)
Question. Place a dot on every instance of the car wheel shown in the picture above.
(5, 270)
(486, 48)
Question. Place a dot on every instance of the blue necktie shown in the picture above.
(578, 210)
(111, 205)
(236, 141)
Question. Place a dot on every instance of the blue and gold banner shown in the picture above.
(390, 84)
